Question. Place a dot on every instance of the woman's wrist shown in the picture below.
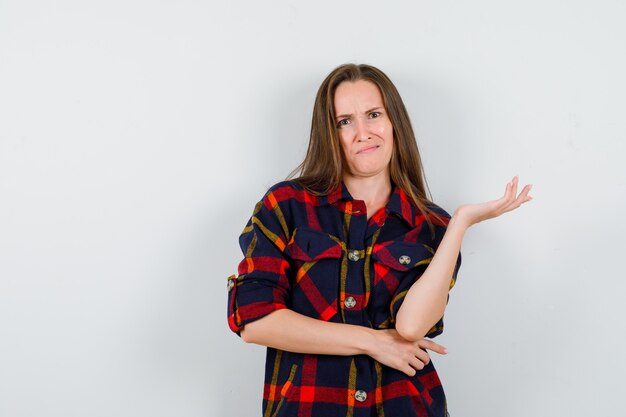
(367, 342)
(459, 222)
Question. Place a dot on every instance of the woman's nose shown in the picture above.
(362, 131)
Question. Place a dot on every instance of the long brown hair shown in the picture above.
(321, 171)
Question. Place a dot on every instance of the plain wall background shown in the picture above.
(136, 137)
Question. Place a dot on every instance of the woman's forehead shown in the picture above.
(360, 95)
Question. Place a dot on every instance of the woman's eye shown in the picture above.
(374, 114)
(343, 122)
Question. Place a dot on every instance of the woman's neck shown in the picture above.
(374, 191)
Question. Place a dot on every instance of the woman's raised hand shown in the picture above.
(470, 214)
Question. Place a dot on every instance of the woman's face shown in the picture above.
(365, 131)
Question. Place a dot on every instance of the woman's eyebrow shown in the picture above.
(341, 116)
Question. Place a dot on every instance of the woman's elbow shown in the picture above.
(250, 333)
(255, 331)
(246, 335)
(411, 331)
(262, 330)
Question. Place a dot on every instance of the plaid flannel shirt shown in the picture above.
(321, 257)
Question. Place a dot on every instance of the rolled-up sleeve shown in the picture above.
(261, 285)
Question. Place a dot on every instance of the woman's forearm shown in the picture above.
(425, 302)
(288, 330)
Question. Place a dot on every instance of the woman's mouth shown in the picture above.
(368, 149)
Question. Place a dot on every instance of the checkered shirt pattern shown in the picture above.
(320, 256)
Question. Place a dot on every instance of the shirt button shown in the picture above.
(349, 302)
(360, 396)
(353, 255)
(404, 260)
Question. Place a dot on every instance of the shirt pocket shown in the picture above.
(316, 258)
(396, 266)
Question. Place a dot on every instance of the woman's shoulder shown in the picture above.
(286, 190)
(440, 211)
(286, 186)
(287, 193)
(288, 203)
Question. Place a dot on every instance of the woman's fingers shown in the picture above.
(507, 198)
(409, 357)
(511, 200)
(422, 356)
(510, 189)
(513, 190)
(409, 370)
(521, 199)
(417, 363)
(405, 356)
(514, 182)
(523, 196)
(430, 345)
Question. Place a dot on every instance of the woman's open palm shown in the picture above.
(471, 214)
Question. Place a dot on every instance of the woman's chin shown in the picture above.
(368, 171)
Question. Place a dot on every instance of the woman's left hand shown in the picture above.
(470, 214)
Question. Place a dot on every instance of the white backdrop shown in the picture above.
(136, 136)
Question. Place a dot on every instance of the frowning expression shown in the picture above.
(365, 130)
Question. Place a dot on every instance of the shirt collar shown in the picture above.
(399, 203)
(339, 193)
(402, 206)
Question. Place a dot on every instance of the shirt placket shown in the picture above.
(353, 301)
(352, 294)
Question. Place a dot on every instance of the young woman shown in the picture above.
(347, 267)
